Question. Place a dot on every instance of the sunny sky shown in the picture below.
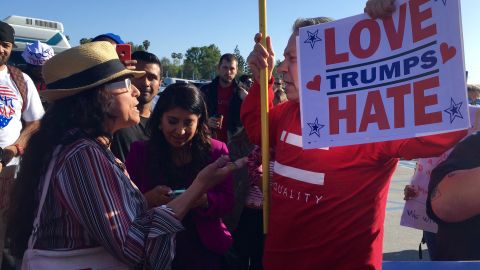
(175, 26)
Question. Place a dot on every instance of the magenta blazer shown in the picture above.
(210, 227)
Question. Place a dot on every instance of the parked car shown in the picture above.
(169, 80)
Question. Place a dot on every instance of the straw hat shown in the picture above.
(82, 68)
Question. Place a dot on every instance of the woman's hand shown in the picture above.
(207, 178)
(410, 192)
(261, 58)
(379, 8)
(130, 64)
(217, 171)
(158, 195)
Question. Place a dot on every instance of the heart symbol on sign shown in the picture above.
(315, 83)
(447, 52)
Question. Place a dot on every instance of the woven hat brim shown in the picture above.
(52, 95)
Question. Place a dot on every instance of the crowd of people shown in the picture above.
(101, 173)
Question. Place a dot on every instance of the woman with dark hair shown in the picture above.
(179, 147)
(70, 180)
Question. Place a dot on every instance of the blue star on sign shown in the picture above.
(315, 127)
(454, 110)
(312, 38)
(444, 2)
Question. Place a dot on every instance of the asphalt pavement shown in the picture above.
(400, 243)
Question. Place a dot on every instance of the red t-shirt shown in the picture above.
(224, 95)
(40, 86)
(328, 205)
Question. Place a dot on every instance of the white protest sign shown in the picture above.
(415, 211)
(364, 80)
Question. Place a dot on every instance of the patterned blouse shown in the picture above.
(92, 202)
(254, 197)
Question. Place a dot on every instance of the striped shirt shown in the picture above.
(255, 173)
(92, 202)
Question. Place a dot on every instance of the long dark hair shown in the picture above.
(85, 112)
(189, 98)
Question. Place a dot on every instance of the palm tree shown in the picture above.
(146, 44)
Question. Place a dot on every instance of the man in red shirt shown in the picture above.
(327, 205)
(224, 98)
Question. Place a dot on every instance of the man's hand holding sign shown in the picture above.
(365, 80)
(328, 204)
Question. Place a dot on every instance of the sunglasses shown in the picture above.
(126, 83)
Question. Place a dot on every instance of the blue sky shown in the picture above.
(176, 25)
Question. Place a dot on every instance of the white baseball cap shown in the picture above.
(37, 53)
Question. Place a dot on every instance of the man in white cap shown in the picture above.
(19, 101)
(35, 55)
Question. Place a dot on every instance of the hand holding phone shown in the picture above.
(215, 121)
(124, 52)
(176, 192)
(158, 195)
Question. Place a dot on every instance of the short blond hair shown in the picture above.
(302, 22)
(473, 88)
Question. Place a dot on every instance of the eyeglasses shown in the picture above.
(126, 83)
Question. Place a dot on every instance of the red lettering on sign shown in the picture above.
(349, 114)
(374, 101)
(331, 55)
(417, 17)
(398, 94)
(421, 101)
(395, 36)
(355, 38)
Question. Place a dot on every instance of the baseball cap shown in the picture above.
(7, 33)
(111, 36)
(37, 53)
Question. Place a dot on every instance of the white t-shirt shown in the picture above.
(11, 108)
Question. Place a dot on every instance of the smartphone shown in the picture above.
(220, 119)
(124, 52)
(176, 192)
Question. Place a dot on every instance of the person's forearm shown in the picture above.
(28, 130)
(457, 198)
(428, 146)
(16, 149)
(183, 203)
(207, 178)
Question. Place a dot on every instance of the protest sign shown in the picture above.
(365, 80)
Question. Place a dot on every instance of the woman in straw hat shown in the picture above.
(90, 200)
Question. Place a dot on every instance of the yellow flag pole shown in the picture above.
(262, 10)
